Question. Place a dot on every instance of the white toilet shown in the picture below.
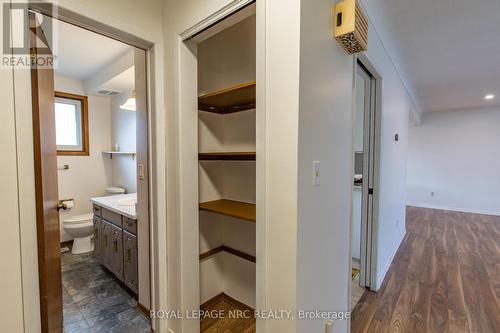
(81, 228)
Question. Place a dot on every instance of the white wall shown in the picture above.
(396, 106)
(76, 183)
(227, 58)
(455, 155)
(123, 124)
(325, 134)
(11, 306)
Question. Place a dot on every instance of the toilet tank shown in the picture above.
(115, 190)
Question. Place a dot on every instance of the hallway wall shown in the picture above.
(325, 135)
(453, 161)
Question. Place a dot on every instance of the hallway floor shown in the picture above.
(445, 277)
(94, 301)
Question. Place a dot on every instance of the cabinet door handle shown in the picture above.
(129, 255)
(115, 245)
(105, 240)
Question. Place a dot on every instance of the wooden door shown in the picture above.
(47, 217)
(107, 257)
(97, 239)
(117, 251)
(130, 261)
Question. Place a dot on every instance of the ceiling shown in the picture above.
(123, 82)
(81, 53)
(446, 50)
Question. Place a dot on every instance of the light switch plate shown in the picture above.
(316, 173)
(140, 171)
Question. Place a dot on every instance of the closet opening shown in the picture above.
(226, 66)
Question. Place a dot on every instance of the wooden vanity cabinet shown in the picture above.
(115, 245)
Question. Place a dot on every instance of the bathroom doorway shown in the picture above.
(90, 126)
(365, 183)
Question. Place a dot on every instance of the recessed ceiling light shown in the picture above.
(489, 96)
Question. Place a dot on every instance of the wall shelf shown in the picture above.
(233, 99)
(227, 156)
(123, 153)
(241, 210)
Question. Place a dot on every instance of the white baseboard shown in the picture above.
(386, 269)
(453, 209)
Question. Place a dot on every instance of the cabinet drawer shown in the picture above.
(129, 225)
(97, 210)
(112, 217)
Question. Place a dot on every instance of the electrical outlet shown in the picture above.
(329, 326)
(432, 194)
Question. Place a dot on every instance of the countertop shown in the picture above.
(123, 204)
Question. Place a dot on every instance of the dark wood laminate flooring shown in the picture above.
(226, 324)
(445, 277)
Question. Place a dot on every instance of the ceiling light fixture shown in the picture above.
(129, 105)
(489, 96)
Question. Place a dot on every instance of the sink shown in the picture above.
(126, 202)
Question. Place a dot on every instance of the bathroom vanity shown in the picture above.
(115, 236)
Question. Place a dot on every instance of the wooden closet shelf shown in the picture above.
(233, 99)
(227, 156)
(230, 250)
(241, 210)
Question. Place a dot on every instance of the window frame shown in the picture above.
(84, 124)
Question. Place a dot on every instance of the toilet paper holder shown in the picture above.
(65, 204)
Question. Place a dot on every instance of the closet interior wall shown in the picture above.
(226, 60)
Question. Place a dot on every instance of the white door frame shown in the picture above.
(156, 241)
(371, 189)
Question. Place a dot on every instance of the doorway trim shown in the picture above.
(363, 60)
(156, 242)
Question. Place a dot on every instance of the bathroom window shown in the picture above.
(72, 130)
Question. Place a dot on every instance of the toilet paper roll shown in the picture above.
(69, 204)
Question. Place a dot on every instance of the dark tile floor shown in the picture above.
(94, 301)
